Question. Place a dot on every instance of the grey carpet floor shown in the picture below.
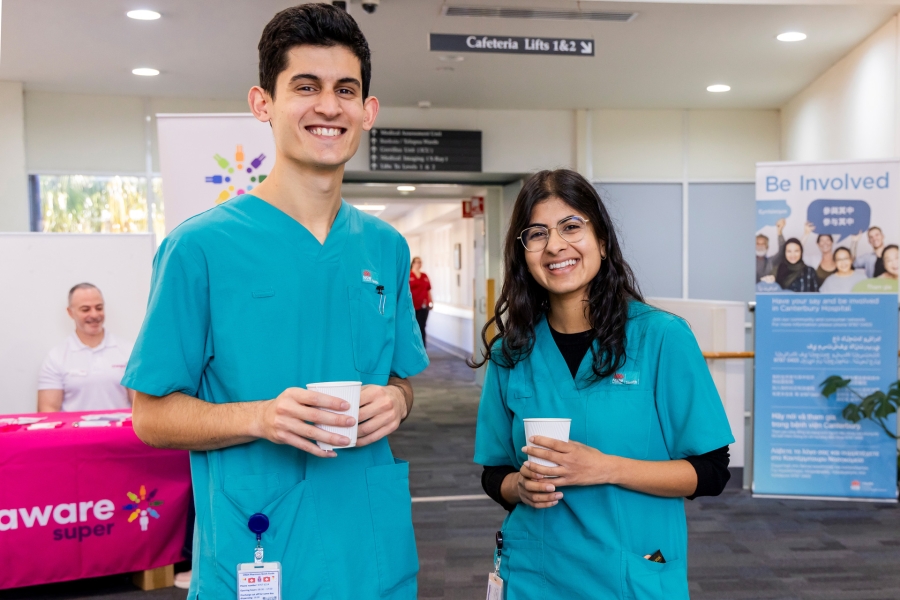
(740, 547)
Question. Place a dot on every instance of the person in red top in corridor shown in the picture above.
(420, 287)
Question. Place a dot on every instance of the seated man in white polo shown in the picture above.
(83, 373)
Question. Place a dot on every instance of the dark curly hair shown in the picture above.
(310, 25)
(523, 302)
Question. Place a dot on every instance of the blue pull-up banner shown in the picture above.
(827, 304)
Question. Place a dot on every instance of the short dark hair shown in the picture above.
(81, 286)
(312, 25)
(824, 235)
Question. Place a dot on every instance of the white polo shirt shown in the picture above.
(89, 377)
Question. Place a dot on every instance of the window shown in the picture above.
(96, 204)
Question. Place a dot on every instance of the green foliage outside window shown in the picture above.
(94, 204)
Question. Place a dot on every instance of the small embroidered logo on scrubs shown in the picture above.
(627, 378)
(369, 276)
(142, 507)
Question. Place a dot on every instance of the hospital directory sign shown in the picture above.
(827, 266)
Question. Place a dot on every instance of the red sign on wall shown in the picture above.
(473, 207)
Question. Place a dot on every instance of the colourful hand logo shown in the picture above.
(142, 507)
(236, 183)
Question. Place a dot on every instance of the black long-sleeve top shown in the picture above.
(712, 467)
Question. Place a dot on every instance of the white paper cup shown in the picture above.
(345, 390)
(558, 429)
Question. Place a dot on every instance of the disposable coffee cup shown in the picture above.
(345, 390)
(558, 429)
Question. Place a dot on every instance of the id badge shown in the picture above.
(259, 581)
(495, 587)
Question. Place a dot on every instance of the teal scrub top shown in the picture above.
(245, 303)
(661, 405)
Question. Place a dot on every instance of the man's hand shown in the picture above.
(382, 409)
(291, 419)
(578, 464)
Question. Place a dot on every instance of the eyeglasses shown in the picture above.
(571, 229)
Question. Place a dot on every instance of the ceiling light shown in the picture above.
(424, 104)
(145, 72)
(719, 87)
(791, 36)
(143, 15)
(370, 207)
(406, 188)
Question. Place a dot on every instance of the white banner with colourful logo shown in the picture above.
(206, 159)
(826, 304)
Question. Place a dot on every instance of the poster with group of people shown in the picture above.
(827, 264)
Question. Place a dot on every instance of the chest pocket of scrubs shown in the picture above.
(372, 321)
(618, 420)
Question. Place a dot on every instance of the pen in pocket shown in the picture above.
(381, 298)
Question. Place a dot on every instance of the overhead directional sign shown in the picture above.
(424, 150)
(501, 44)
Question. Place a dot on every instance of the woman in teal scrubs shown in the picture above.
(642, 405)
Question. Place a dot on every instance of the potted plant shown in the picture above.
(875, 407)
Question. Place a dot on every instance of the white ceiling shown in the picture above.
(664, 58)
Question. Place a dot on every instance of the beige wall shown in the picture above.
(13, 179)
(656, 145)
(851, 110)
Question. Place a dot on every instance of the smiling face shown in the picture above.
(843, 260)
(825, 243)
(793, 253)
(891, 259)
(318, 113)
(563, 268)
(876, 238)
(86, 309)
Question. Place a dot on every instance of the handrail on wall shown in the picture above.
(727, 355)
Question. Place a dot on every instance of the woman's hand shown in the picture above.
(768, 279)
(583, 465)
(536, 494)
(578, 464)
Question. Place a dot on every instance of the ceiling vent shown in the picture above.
(536, 13)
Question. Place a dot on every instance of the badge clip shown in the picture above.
(258, 524)
(495, 584)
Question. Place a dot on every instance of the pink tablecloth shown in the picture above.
(81, 502)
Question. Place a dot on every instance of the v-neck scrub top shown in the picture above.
(245, 303)
(661, 405)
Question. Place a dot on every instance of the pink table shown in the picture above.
(80, 502)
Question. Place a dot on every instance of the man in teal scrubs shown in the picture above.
(260, 296)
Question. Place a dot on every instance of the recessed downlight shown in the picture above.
(143, 15)
(406, 188)
(791, 36)
(145, 72)
(718, 88)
